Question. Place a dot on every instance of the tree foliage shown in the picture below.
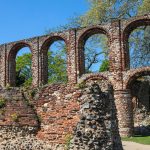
(139, 46)
(104, 11)
(139, 41)
(104, 66)
(57, 66)
(95, 50)
(23, 69)
(57, 63)
(101, 11)
(144, 8)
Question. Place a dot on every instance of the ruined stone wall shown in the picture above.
(18, 120)
(40, 118)
(119, 75)
(15, 110)
(46, 117)
(98, 124)
(58, 108)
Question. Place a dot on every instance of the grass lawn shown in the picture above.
(138, 139)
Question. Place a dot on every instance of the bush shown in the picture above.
(33, 93)
(2, 112)
(28, 83)
(68, 139)
(2, 103)
(81, 85)
(15, 117)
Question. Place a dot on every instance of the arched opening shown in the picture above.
(54, 61)
(19, 66)
(137, 44)
(139, 47)
(93, 51)
(140, 96)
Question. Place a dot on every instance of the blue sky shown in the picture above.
(22, 19)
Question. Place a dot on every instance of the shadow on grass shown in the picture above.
(142, 130)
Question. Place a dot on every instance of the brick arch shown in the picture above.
(44, 57)
(81, 42)
(133, 24)
(94, 77)
(12, 61)
(134, 74)
(50, 40)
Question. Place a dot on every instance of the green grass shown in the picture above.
(138, 139)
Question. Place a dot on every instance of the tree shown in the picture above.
(95, 50)
(139, 46)
(103, 11)
(139, 41)
(57, 63)
(104, 66)
(145, 7)
(56, 66)
(23, 69)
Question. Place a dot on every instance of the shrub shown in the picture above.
(38, 118)
(2, 103)
(2, 112)
(32, 93)
(68, 139)
(15, 117)
(28, 83)
(81, 85)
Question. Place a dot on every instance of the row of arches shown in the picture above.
(53, 62)
(90, 59)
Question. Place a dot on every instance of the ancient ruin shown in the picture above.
(50, 113)
(98, 125)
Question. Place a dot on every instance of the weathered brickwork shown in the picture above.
(58, 108)
(16, 110)
(120, 76)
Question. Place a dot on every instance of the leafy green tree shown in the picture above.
(23, 69)
(57, 63)
(145, 7)
(95, 50)
(139, 46)
(104, 66)
(139, 41)
(103, 11)
(56, 66)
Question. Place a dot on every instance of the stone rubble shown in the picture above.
(23, 138)
(28, 143)
(97, 128)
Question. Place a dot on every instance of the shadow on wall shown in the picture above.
(140, 91)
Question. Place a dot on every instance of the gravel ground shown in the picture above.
(134, 146)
